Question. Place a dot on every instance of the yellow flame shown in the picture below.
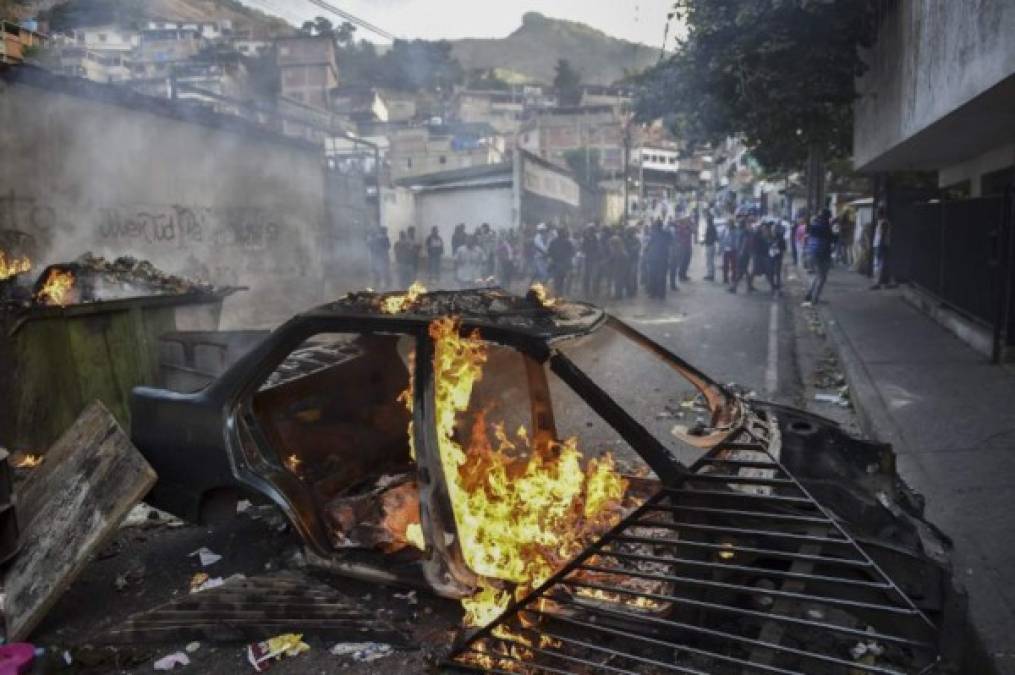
(13, 265)
(399, 303)
(57, 288)
(293, 463)
(522, 509)
(542, 295)
(26, 461)
(414, 535)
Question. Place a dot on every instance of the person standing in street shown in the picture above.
(799, 238)
(415, 249)
(658, 252)
(590, 248)
(775, 234)
(458, 238)
(729, 251)
(403, 261)
(617, 264)
(434, 256)
(743, 247)
(711, 238)
(469, 263)
(488, 242)
(561, 253)
(541, 255)
(882, 248)
(684, 246)
(819, 252)
(380, 259)
(673, 263)
(505, 259)
(632, 243)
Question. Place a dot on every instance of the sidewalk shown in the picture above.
(950, 415)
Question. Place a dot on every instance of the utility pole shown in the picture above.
(627, 169)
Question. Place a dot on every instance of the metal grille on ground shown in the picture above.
(736, 570)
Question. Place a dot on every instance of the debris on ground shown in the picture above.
(206, 556)
(261, 655)
(245, 609)
(192, 647)
(170, 661)
(202, 582)
(363, 652)
(69, 507)
(839, 398)
(143, 515)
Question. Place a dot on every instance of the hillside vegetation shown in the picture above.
(534, 48)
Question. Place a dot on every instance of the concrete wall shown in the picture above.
(83, 173)
(472, 206)
(933, 58)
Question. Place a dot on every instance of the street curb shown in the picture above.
(876, 424)
(874, 419)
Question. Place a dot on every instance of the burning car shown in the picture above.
(508, 451)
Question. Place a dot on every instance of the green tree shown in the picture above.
(780, 73)
(567, 82)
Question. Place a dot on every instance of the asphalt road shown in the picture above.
(743, 338)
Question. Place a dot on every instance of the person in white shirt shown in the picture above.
(469, 263)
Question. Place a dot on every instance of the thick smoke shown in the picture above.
(92, 167)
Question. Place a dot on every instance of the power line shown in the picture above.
(327, 6)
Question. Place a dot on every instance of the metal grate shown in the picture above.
(738, 569)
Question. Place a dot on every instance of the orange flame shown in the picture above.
(13, 265)
(542, 295)
(522, 508)
(57, 288)
(400, 303)
(26, 461)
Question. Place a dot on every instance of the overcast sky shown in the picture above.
(637, 20)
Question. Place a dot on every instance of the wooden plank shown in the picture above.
(70, 507)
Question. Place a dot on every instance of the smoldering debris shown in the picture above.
(92, 278)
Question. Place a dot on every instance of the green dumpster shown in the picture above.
(54, 361)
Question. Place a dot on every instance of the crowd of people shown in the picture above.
(601, 262)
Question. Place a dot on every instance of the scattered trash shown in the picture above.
(192, 647)
(261, 654)
(206, 556)
(840, 398)
(143, 515)
(363, 652)
(170, 661)
(409, 597)
(16, 658)
(202, 582)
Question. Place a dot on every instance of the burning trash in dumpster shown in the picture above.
(87, 279)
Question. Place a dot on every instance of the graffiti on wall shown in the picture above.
(233, 242)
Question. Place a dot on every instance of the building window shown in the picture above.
(443, 159)
(102, 37)
(408, 163)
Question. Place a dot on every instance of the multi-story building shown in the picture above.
(308, 69)
(421, 150)
(209, 30)
(161, 47)
(615, 97)
(503, 110)
(106, 38)
(938, 95)
(15, 40)
(553, 134)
